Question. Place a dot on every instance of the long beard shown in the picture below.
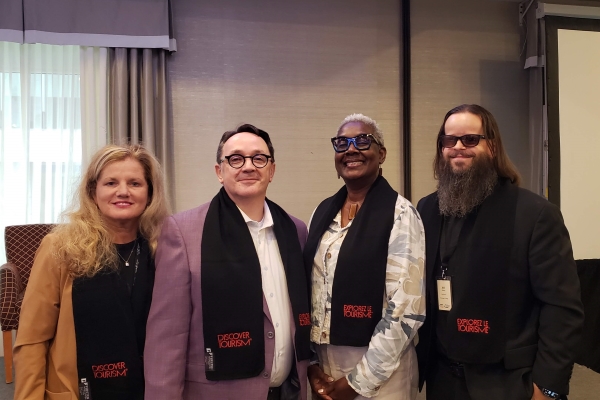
(462, 191)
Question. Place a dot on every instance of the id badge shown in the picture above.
(444, 290)
(84, 390)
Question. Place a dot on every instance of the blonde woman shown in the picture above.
(83, 320)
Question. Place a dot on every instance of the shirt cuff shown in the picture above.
(366, 391)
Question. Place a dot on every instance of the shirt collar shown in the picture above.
(266, 222)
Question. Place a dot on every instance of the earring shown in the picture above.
(338, 175)
(380, 171)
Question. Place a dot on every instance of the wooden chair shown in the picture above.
(22, 242)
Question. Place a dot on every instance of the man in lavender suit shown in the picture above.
(230, 310)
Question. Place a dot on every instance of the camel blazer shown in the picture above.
(45, 353)
(174, 353)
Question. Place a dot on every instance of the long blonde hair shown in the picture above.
(83, 242)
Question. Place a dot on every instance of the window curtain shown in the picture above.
(11, 21)
(101, 23)
(40, 132)
(94, 100)
(138, 103)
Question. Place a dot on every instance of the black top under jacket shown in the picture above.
(110, 327)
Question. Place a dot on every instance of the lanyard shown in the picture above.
(137, 265)
(451, 228)
(127, 276)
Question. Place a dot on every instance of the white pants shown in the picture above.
(338, 361)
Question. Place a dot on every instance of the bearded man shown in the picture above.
(503, 305)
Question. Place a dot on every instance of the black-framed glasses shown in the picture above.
(237, 160)
(361, 142)
(449, 141)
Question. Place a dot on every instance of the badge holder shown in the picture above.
(444, 290)
(84, 390)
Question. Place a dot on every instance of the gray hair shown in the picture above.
(367, 121)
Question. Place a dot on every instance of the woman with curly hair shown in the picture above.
(83, 320)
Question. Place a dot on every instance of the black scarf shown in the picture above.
(474, 330)
(110, 329)
(232, 297)
(359, 284)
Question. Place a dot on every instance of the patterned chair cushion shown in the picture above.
(22, 242)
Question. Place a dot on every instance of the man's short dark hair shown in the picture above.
(250, 129)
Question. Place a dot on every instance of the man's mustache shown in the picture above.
(463, 153)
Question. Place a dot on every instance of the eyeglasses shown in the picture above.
(449, 141)
(237, 161)
(361, 142)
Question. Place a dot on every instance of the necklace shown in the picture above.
(353, 211)
(128, 258)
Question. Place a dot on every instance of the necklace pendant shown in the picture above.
(127, 263)
(353, 211)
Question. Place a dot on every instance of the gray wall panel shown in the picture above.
(466, 51)
(295, 69)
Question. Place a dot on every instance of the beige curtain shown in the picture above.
(93, 67)
(138, 110)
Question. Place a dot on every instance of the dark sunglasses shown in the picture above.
(361, 142)
(467, 140)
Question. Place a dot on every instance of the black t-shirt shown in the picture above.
(448, 242)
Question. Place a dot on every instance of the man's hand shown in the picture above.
(320, 383)
(342, 390)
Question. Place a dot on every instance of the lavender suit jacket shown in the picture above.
(174, 356)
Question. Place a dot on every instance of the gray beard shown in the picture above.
(460, 192)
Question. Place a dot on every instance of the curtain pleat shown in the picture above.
(138, 102)
(94, 113)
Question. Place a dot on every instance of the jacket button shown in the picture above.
(270, 335)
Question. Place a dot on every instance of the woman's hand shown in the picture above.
(342, 390)
(320, 383)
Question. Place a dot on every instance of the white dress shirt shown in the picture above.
(274, 286)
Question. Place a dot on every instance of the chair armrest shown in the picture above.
(15, 272)
(11, 290)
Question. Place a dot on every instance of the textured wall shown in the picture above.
(295, 69)
(466, 51)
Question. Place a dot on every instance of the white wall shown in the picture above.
(579, 103)
(296, 69)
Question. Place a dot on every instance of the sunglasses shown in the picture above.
(361, 142)
(449, 141)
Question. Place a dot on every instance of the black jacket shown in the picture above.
(544, 311)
